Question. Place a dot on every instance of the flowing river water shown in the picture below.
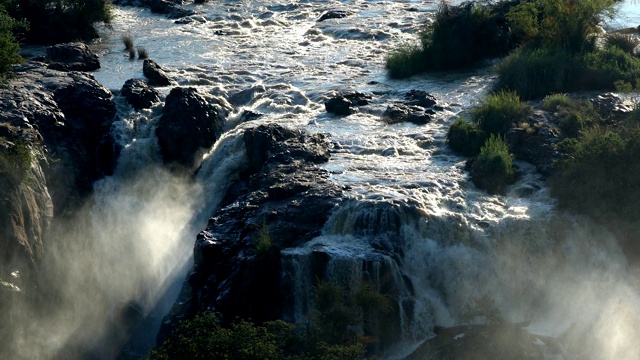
(459, 246)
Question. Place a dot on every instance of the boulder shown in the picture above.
(334, 14)
(343, 103)
(537, 143)
(420, 98)
(399, 113)
(230, 274)
(139, 94)
(156, 74)
(72, 57)
(613, 106)
(189, 126)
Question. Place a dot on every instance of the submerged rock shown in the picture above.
(283, 199)
(156, 74)
(419, 107)
(342, 103)
(72, 57)
(334, 14)
(139, 94)
(189, 126)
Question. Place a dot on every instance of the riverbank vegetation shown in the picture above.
(551, 46)
(46, 22)
(329, 335)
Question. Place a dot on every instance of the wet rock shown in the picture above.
(334, 14)
(160, 6)
(156, 74)
(179, 13)
(189, 125)
(53, 134)
(399, 113)
(420, 98)
(139, 94)
(493, 341)
(343, 103)
(274, 197)
(72, 57)
(612, 105)
(537, 142)
(249, 115)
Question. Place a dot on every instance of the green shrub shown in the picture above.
(9, 48)
(625, 42)
(600, 69)
(465, 138)
(142, 53)
(58, 21)
(600, 175)
(15, 160)
(460, 36)
(535, 73)
(493, 168)
(405, 61)
(263, 241)
(573, 115)
(499, 111)
(127, 41)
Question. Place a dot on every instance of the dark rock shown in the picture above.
(249, 115)
(493, 341)
(612, 106)
(246, 96)
(156, 74)
(139, 94)
(334, 14)
(281, 185)
(179, 13)
(537, 143)
(72, 57)
(342, 103)
(189, 126)
(399, 113)
(420, 98)
(160, 6)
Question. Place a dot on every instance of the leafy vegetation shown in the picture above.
(15, 160)
(57, 21)
(329, 337)
(465, 138)
(493, 169)
(600, 176)
(460, 36)
(9, 47)
(498, 111)
(573, 115)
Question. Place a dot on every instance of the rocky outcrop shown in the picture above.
(70, 115)
(419, 107)
(156, 74)
(139, 94)
(613, 105)
(537, 142)
(343, 103)
(189, 126)
(72, 57)
(172, 9)
(281, 201)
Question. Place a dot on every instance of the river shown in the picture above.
(562, 274)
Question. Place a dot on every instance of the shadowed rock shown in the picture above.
(72, 57)
(139, 94)
(189, 126)
(156, 74)
(334, 14)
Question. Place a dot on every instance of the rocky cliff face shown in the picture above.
(282, 201)
(54, 143)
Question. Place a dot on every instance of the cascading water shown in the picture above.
(413, 225)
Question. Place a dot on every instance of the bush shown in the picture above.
(600, 175)
(573, 115)
(465, 138)
(499, 111)
(493, 168)
(602, 68)
(9, 48)
(127, 41)
(625, 42)
(142, 53)
(58, 21)
(460, 36)
(405, 61)
(535, 73)
(15, 160)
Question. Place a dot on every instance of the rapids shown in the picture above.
(456, 246)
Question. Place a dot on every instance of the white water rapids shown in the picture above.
(458, 244)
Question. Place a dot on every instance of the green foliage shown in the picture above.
(15, 160)
(600, 175)
(498, 111)
(460, 36)
(57, 21)
(465, 138)
(535, 73)
(9, 47)
(263, 240)
(493, 168)
(625, 42)
(142, 53)
(601, 68)
(573, 115)
(127, 41)
(405, 61)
